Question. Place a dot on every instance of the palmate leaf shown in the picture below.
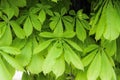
(74, 45)
(94, 68)
(35, 22)
(42, 16)
(12, 61)
(28, 28)
(68, 22)
(87, 59)
(19, 3)
(42, 46)
(4, 73)
(80, 31)
(71, 57)
(112, 28)
(81, 76)
(2, 28)
(6, 39)
(26, 54)
(106, 68)
(59, 66)
(17, 29)
(54, 53)
(10, 50)
(35, 66)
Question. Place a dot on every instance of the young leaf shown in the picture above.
(90, 48)
(2, 28)
(10, 50)
(42, 46)
(54, 53)
(95, 67)
(28, 28)
(4, 73)
(81, 76)
(47, 35)
(59, 67)
(36, 64)
(35, 22)
(12, 61)
(6, 39)
(17, 29)
(42, 16)
(68, 34)
(106, 68)
(26, 54)
(74, 45)
(80, 31)
(18, 43)
(71, 56)
(87, 59)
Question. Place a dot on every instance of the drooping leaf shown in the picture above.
(36, 64)
(74, 45)
(4, 73)
(59, 67)
(81, 76)
(42, 46)
(26, 54)
(87, 59)
(94, 68)
(80, 31)
(51, 57)
(12, 61)
(10, 50)
(106, 68)
(6, 39)
(71, 56)
(35, 22)
(2, 28)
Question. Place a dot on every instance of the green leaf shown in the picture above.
(6, 39)
(95, 67)
(18, 43)
(68, 34)
(47, 35)
(80, 31)
(18, 30)
(54, 53)
(35, 22)
(12, 61)
(28, 28)
(10, 50)
(74, 45)
(20, 3)
(42, 16)
(112, 27)
(70, 56)
(81, 76)
(90, 48)
(59, 67)
(35, 66)
(106, 68)
(10, 12)
(63, 11)
(87, 59)
(4, 73)
(2, 28)
(42, 46)
(26, 54)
